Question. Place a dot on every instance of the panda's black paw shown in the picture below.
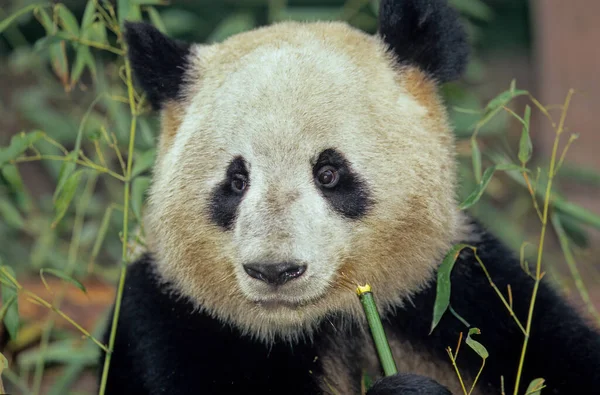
(405, 384)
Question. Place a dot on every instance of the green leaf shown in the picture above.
(485, 180)
(11, 317)
(127, 10)
(143, 162)
(12, 176)
(66, 195)
(97, 33)
(11, 18)
(18, 144)
(442, 297)
(503, 99)
(83, 58)
(69, 22)
(535, 387)
(62, 276)
(60, 352)
(46, 42)
(45, 20)
(139, 187)
(88, 16)
(156, 19)
(475, 345)
(10, 215)
(476, 158)
(66, 169)
(235, 23)
(496, 104)
(150, 2)
(473, 9)
(6, 306)
(525, 146)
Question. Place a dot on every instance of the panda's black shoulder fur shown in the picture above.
(563, 349)
(159, 62)
(427, 34)
(164, 345)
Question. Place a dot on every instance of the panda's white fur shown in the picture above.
(278, 96)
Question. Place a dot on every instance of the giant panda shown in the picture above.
(296, 159)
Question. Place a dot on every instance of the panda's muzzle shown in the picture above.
(275, 274)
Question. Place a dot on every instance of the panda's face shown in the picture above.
(300, 162)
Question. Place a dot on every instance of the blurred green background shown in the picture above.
(49, 85)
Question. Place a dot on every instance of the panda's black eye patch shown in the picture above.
(346, 192)
(227, 196)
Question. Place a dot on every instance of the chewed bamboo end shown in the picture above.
(363, 289)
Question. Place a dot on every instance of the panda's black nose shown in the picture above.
(274, 273)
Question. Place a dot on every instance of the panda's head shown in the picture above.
(297, 159)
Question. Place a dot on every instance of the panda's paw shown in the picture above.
(407, 384)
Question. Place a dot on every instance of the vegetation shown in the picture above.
(86, 136)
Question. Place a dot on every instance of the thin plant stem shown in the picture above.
(538, 268)
(502, 298)
(92, 166)
(477, 377)
(460, 379)
(125, 232)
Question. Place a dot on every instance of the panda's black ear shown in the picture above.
(427, 34)
(158, 62)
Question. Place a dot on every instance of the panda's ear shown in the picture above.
(427, 34)
(158, 62)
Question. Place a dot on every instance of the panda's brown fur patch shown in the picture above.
(170, 120)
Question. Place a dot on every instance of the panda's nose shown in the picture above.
(274, 274)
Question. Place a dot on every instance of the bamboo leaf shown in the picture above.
(485, 180)
(45, 20)
(62, 276)
(66, 169)
(442, 297)
(62, 352)
(128, 10)
(503, 99)
(525, 146)
(69, 22)
(233, 24)
(6, 306)
(475, 345)
(476, 158)
(11, 316)
(18, 145)
(473, 9)
(10, 215)
(150, 2)
(83, 58)
(12, 176)
(11, 18)
(535, 387)
(66, 196)
(138, 189)
(88, 16)
(143, 162)
(156, 19)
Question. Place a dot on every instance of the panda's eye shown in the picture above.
(239, 183)
(327, 176)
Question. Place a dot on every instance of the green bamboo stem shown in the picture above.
(381, 344)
